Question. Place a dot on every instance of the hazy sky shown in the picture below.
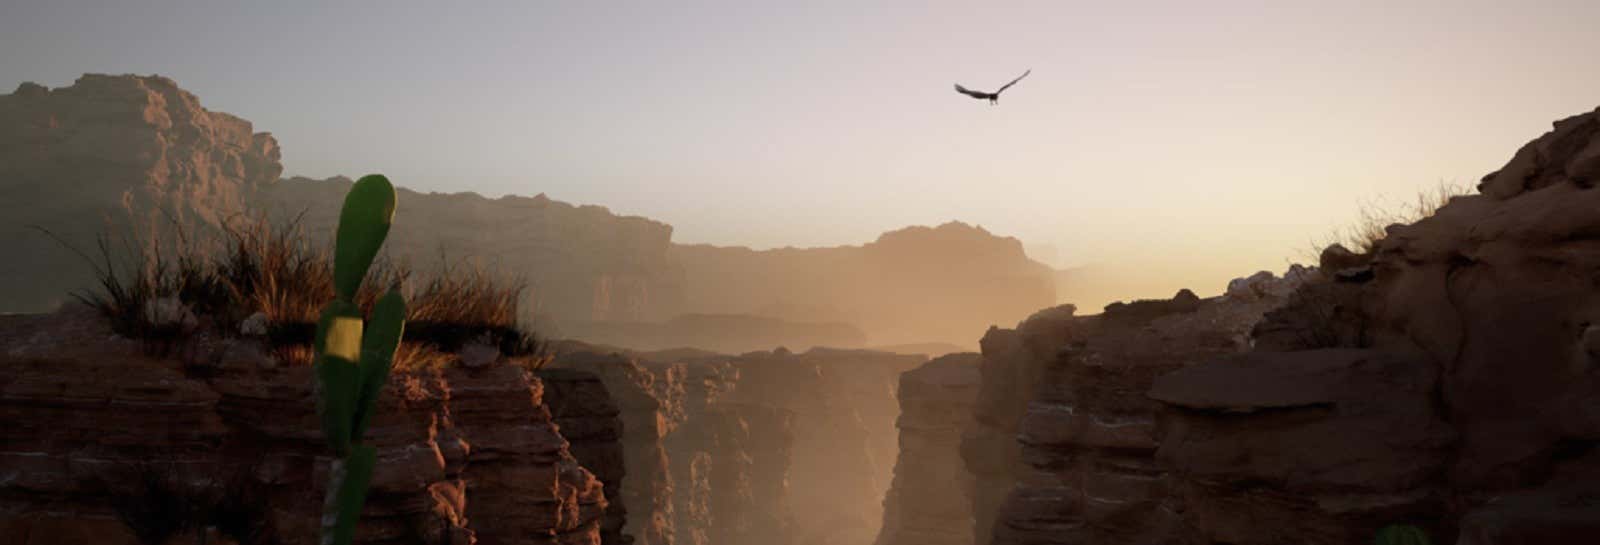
(1186, 141)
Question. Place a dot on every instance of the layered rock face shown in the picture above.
(138, 157)
(464, 454)
(1469, 410)
(703, 468)
(1065, 442)
(648, 406)
(123, 156)
(930, 499)
(582, 263)
(914, 285)
(765, 447)
(588, 417)
(1442, 381)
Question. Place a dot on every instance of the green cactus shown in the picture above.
(353, 358)
(1401, 534)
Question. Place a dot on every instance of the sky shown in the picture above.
(1170, 144)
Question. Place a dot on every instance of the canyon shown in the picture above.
(1444, 379)
(138, 159)
(1441, 380)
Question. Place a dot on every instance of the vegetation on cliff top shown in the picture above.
(257, 277)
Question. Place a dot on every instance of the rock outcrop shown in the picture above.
(914, 285)
(1443, 380)
(930, 499)
(649, 407)
(464, 454)
(1065, 442)
(588, 417)
(138, 157)
(581, 263)
(765, 447)
(128, 157)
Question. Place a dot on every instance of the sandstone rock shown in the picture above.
(1336, 258)
(929, 501)
(1472, 380)
(1566, 154)
(644, 401)
(129, 156)
(1251, 286)
(1064, 440)
(1342, 441)
(464, 455)
(254, 325)
(588, 418)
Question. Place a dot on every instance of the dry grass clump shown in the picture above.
(163, 293)
(1363, 236)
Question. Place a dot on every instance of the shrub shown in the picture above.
(257, 265)
(1373, 219)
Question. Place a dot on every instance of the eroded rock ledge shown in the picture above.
(463, 454)
(1444, 380)
(929, 501)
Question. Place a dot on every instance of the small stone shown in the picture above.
(254, 326)
(478, 355)
(168, 311)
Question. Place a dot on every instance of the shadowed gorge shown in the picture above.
(511, 273)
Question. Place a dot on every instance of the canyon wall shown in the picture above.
(914, 285)
(1443, 381)
(95, 431)
(1065, 439)
(764, 447)
(137, 157)
(130, 158)
(581, 263)
(1467, 403)
(929, 502)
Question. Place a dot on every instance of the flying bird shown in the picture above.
(994, 98)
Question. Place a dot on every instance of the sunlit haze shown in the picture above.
(1177, 144)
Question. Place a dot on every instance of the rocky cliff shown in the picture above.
(581, 263)
(930, 499)
(1442, 381)
(914, 285)
(764, 447)
(124, 156)
(1065, 439)
(137, 157)
(96, 433)
(1470, 401)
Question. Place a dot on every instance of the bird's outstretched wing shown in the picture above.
(970, 92)
(1014, 82)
